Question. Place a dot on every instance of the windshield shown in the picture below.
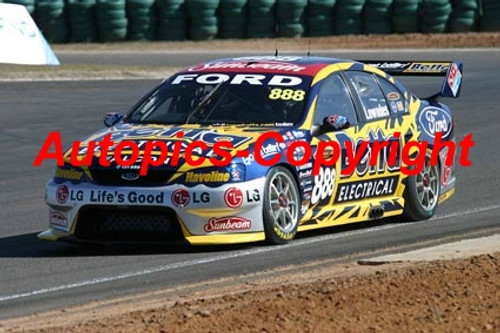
(219, 99)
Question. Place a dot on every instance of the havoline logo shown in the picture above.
(207, 177)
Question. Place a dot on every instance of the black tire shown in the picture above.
(416, 208)
(280, 227)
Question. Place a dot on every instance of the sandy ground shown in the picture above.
(295, 45)
(461, 295)
(458, 40)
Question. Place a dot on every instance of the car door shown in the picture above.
(384, 118)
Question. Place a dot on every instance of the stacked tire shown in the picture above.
(172, 20)
(111, 20)
(290, 15)
(29, 4)
(261, 19)
(51, 19)
(348, 17)
(406, 16)
(233, 19)
(82, 20)
(141, 19)
(435, 15)
(490, 15)
(377, 17)
(320, 17)
(202, 19)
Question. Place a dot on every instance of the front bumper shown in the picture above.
(231, 213)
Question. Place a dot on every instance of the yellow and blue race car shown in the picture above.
(261, 193)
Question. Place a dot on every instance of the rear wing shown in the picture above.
(451, 70)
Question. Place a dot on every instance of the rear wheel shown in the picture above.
(281, 206)
(422, 192)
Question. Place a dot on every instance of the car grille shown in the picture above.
(114, 177)
(127, 224)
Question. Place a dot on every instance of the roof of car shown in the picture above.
(303, 65)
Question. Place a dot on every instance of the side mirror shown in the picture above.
(112, 118)
(333, 122)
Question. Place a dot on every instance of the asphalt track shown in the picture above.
(36, 276)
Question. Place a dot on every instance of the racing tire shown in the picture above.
(281, 206)
(422, 192)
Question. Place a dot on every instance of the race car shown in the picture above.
(261, 193)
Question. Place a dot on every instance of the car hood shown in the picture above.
(242, 138)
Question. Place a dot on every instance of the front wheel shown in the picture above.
(281, 206)
(422, 192)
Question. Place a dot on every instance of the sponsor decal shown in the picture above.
(298, 134)
(372, 160)
(233, 197)
(203, 197)
(230, 223)
(270, 58)
(269, 150)
(358, 190)
(454, 79)
(133, 197)
(299, 153)
(446, 175)
(394, 107)
(130, 176)
(393, 96)
(288, 136)
(57, 219)
(400, 106)
(180, 198)
(434, 120)
(237, 172)
(305, 174)
(62, 194)
(252, 79)
(253, 196)
(377, 112)
(248, 160)
(68, 174)
(324, 183)
(308, 165)
(336, 120)
(390, 65)
(428, 67)
(207, 177)
(277, 66)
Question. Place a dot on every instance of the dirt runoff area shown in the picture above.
(461, 295)
(415, 40)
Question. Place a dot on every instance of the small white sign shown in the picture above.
(20, 40)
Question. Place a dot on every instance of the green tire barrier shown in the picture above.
(435, 15)
(29, 4)
(202, 18)
(320, 17)
(261, 19)
(172, 20)
(405, 16)
(111, 20)
(233, 19)
(377, 17)
(82, 20)
(348, 17)
(490, 18)
(51, 19)
(290, 14)
(464, 16)
(116, 20)
(141, 16)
